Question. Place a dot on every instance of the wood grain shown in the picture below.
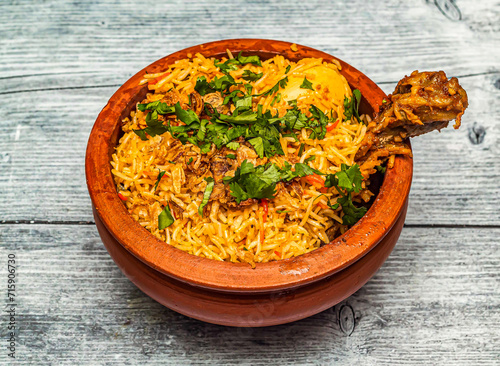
(42, 156)
(436, 294)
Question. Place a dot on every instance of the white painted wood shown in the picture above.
(435, 301)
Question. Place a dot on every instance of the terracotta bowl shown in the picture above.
(235, 294)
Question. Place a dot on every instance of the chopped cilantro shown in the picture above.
(186, 116)
(231, 156)
(161, 173)
(381, 168)
(232, 64)
(159, 107)
(351, 105)
(347, 180)
(260, 181)
(206, 196)
(306, 84)
(155, 126)
(190, 161)
(217, 84)
(165, 218)
(276, 99)
(280, 84)
(233, 145)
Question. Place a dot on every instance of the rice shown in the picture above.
(295, 224)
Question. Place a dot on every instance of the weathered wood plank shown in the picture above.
(91, 42)
(44, 136)
(435, 301)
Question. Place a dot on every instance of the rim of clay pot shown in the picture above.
(226, 276)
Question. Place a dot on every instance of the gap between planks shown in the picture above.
(118, 85)
(80, 223)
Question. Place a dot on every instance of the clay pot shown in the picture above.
(235, 294)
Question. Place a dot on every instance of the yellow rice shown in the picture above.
(236, 234)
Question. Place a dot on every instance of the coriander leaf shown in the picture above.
(306, 84)
(352, 214)
(243, 118)
(233, 145)
(231, 156)
(190, 161)
(251, 76)
(245, 102)
(255, 60)
(206, 195)
(233, 96)
(331, 181)
(187, 117)
(280, 84)
(223, 83)
(351, 105)
(276, 99)
(350, 178)
(202, 86)
(310, 158)
(381, 168)
(154, 126)
(237, 192)
(165, 218)
(301, 170)
(333, 207)
(141, 134)
(205, 147)
(258, 145)
(357, 95)
(288, 69)
(159, 107)
(253, 182)
(260, 181)
(161, 173)
(229, 65)
(202, 131)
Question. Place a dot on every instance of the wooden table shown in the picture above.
(435, 301)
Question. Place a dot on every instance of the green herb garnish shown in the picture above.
(251, 76)
(165, 218)
(346, 181)
(161, 173)
(306, 84)
(232, 63)
(351, 105)
(206, 196)
(280, 84)
(260, 181)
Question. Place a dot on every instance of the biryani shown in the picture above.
(246, 160)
